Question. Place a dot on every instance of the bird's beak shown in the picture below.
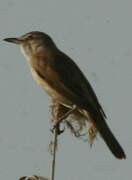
(13, 40)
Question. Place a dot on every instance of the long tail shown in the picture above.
(108, 137)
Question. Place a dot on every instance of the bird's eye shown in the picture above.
(30, 37)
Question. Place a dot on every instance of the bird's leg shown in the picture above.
(64, 116)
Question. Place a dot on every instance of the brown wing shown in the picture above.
(74, 80)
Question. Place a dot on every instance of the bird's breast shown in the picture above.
(50, 89)
(43, 82)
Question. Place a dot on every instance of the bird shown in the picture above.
(63, 80)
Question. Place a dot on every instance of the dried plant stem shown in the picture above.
(55, 139)
(55, 136)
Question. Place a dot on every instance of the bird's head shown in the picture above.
(32, 42)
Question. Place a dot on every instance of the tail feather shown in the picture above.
(111, 142)
(108, 137)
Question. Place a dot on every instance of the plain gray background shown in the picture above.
(97, 34)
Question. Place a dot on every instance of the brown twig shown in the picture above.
(55, 137)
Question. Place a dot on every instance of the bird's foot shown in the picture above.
(57, 127)
(62, 118)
